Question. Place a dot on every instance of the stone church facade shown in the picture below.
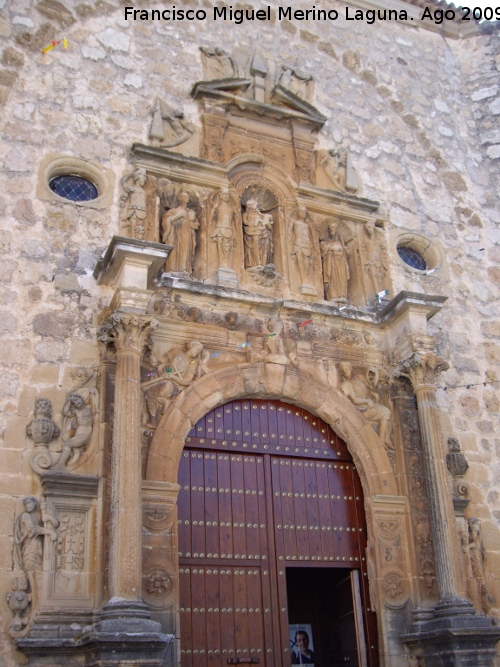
(250, 334)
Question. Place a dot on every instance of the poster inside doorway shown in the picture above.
(301, 644)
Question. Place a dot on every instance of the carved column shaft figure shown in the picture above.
(129, 334)
(224, 215)
(421, 370)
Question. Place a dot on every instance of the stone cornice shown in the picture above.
(198, 292)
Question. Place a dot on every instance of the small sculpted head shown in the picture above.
(345, 369)
(30, 503)
(140, 176)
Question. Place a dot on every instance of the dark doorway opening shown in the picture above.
(325, 604)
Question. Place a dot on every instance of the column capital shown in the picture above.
(127, 331)
(422, 369)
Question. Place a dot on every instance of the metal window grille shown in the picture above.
(74, 188)
(412, 258)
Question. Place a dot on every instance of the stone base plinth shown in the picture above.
(226, 277)
(123, 633)
(456, 640)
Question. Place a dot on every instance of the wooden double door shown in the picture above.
(272, 541)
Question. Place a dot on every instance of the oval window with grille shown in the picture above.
(418, 253)
(74, 188)
(412, 258)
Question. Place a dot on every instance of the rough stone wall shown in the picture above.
(417, 112)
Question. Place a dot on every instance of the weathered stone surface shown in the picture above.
(114, 40)
(67, 282)
(55, 324)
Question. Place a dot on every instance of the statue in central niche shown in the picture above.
(258, 236)
(179, 226)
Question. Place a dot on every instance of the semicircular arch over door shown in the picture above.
(272, 541)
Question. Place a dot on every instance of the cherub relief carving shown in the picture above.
(179, 226)
(175, 130)
(217, 64)
(225, 216)
(30, 527)
(257, 235)
(297, 83)
(368, 402)
(336, 274)
(267, 276)
(302, 246)
(134, 205)
(337, 166)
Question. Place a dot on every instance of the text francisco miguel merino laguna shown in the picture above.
(238, 16)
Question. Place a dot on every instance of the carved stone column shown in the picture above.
(129, 334)
(421, 370)
(455, 630)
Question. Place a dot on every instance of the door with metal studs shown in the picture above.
(269, 495)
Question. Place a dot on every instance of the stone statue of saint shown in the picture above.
(258, 236)
(28, 544)
(224, 215)
(134, 209)
(302, 245)
(374, 258)
(368, 402)
(179, 226)
(334, 255)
